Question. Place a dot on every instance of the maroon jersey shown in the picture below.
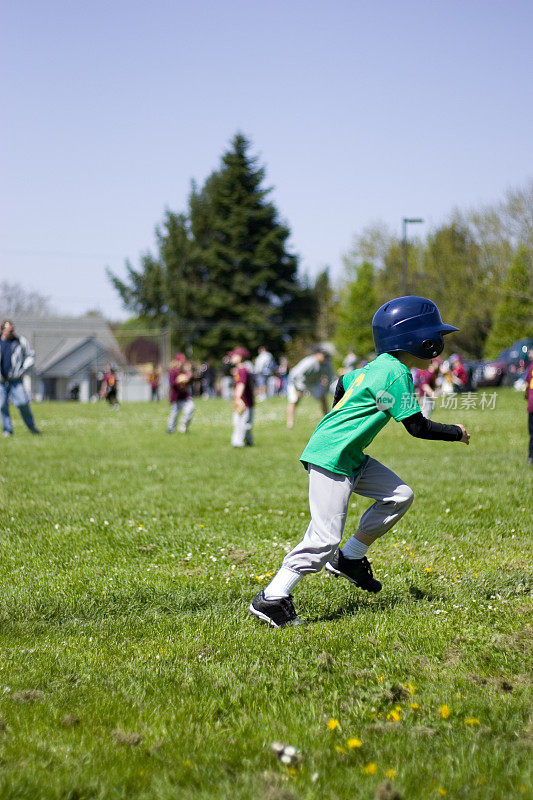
(109, 383)
(179, 389)
(425, 377)
(529, 388)
(241, 375)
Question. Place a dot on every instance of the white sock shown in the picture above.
(354, 548)
(282, 584)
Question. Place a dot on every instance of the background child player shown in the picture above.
(408, 332)
(313, 373)
(181, 402)
(109, 388)
(243, 399)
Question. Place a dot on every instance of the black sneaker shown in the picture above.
(277, 612)
(356, 570)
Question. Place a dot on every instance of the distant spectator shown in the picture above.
(313, 373)
(243, 398)
(207, 375)
(264, 367)
(459, 373)
(153, 380)
(109, 388)
(529, 397)
(179, 378)
(16, 358)
(350, 362)
(426, 386)
(283, 374)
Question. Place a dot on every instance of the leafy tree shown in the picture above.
(325, 304)
(144, 291)
(15, 300)
(513, 318)
(357, 306)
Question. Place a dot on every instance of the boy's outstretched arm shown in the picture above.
(423, 428)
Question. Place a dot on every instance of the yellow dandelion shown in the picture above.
(341, 750)
(354, 743)
(428, 569)
(414, 706)
(410, 688)
(471, 721)
(393, 715)
(442, 791)
(292, 772)
(445, 711)
(371, 768)
(333, 724)
(186, 763)
(390, 773)
(398, 708)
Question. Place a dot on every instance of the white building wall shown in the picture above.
(133, 388)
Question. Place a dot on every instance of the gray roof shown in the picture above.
(55, 338)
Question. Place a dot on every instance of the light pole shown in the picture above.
(406, 221)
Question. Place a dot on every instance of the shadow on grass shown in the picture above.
(385, 603)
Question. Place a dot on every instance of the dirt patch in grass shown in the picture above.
(238, 556)
(395, 694)
(69, 721)
(273, 788)
(28, 696)
(386, 791)
(521, 641)
(128, 739)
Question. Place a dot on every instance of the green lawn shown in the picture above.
(131, 669)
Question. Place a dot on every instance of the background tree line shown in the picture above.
(224, 274)
(477, 267)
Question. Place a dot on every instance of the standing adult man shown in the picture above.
(16, 358)
(264, 367)
(313, 373)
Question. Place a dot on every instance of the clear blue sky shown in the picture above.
(359, 110)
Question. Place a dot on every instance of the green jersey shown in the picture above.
(381, 390)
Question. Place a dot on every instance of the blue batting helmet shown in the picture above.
(412, 324)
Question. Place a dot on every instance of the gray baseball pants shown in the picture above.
(329, 496)
(186, 408)
(242, 428)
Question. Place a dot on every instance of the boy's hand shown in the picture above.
(466, 436)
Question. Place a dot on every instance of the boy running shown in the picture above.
(408, 332)
(109, 388)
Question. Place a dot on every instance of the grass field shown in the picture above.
(131, 669)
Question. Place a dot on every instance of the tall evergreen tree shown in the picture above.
(224, 274)
(254, 293)
(513, 318)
